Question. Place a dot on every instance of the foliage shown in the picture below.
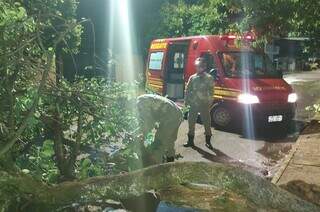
(39, 162)
(314, 110)
(306, 23)
(267, 19)
(82, 119)
(57, 130)
(183, 19)
(54, 17)
(30, 33)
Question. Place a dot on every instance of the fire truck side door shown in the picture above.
(176, 66)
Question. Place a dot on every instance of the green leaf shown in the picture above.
(47, 148)
(22, 13)
(85, 163)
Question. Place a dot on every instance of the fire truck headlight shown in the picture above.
(246, 98)
(292, 98)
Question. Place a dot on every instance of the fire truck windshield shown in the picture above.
(248, 65)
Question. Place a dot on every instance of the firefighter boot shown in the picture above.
(208, 142)
(190, 142)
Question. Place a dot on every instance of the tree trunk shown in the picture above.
(59, 64)
(38, 197)
(62, 160)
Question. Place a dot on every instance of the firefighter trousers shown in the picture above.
(165, 138)
(204, 110)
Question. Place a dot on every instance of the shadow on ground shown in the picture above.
(217, 156)
(271, 133)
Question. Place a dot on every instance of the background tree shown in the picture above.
(306, 23)
(267, 19)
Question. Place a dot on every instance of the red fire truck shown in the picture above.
(246, 84)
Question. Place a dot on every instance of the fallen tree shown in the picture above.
(21, 192)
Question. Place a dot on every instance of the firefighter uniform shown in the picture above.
(155, 109)
(199, 96)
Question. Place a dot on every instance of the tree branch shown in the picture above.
(76, 145)
(21, 47)
(13, 138)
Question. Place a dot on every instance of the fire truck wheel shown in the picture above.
(221, 117)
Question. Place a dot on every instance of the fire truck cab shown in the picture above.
(247, 86)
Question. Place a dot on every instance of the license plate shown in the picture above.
(275, 118)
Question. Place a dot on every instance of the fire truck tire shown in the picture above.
(221, 117)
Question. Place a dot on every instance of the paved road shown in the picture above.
(261, 155)
(306, 76)
(307, 86)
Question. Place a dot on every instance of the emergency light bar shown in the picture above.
(246, 37)
(228, 37)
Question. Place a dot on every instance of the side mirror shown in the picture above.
(214, 73)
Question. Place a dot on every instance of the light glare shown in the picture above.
(248, 99)
(292, 98)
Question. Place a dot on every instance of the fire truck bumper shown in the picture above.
(265, 114)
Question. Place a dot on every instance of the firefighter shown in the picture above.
(199, 96)
(157, 110)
